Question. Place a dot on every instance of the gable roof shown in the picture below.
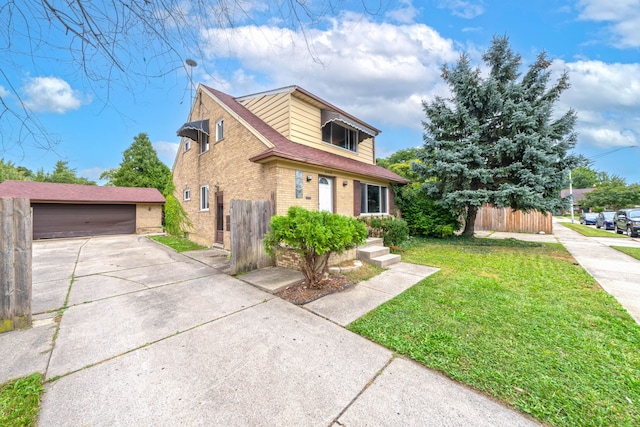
(70, 193)
(286, 149)
(578, 193)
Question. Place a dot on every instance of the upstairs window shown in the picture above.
(373, 199)
(340, 136)
(219, 130)
(187, 195)
(187, 145)
(203, 138)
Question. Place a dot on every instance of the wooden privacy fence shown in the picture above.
(15, 264)
(505, 219)
(249, 223)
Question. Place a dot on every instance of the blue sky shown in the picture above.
(378, 66)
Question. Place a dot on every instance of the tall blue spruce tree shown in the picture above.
(495, 140)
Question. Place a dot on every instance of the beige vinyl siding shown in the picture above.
(306, 130)
(273, 110)
(305, 123)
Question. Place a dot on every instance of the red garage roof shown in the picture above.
(73, 193)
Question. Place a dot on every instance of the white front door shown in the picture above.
(325, 194)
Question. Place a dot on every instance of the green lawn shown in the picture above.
(634, 252)
(20, 401)
(591, 230)
(521, 323)
(178, 243)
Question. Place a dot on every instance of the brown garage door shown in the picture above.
(51, 220)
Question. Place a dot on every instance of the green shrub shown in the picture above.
(423, 216)
(394, 231)
(176, 220)
(315, 236)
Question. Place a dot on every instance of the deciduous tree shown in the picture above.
(141, 167)
(496, 140)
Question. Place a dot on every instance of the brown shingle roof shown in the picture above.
(286, 149)
(578, 193)
(69, 193)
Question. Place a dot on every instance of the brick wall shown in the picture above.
(225, 165)
(289, 259)
(148, 218)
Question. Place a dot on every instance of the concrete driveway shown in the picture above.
(155, 338)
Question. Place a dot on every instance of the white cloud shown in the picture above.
(91, 173)
(623, 19)
(405, 14)
(606, 98)
(166, 151)
(381, 77)
(51, 95)
(3, 92)
(462, 8)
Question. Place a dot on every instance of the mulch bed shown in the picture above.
(300, 294)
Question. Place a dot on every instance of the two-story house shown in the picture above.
(286, 145)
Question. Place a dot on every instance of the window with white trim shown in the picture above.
(204, 142)
(373, 199)
(187, 195)
(187, 144)
(204, 198)
(340, 136)
(219, 130)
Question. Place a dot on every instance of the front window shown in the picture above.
(219, 130)
(373, 199)
(204, 198)
(340, 136)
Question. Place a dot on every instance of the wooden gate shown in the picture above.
(15, 264)
(249, 223)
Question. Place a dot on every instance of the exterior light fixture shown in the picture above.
(345, 183)
(308, 178)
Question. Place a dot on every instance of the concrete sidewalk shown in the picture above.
(617, 273)
(155, 338)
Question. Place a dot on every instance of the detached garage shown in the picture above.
(69, 210)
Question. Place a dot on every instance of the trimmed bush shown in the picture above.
(315, 236)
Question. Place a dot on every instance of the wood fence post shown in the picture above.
(15, 264)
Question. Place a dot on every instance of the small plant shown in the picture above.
(20, 401)
(314, 236)
(394, 231)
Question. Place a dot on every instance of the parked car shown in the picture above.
(628, 220)
(605, 220)
(588, 218)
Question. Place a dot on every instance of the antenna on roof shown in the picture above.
(191, 63)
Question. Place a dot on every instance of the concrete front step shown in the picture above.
(377, 255)
(372, 241)
(369, 252)
(385, 260)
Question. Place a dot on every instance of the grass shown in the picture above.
(178, 243)
(634, 252)
(366, 272)
(590, 231)
(20, 401)
(520, 322)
